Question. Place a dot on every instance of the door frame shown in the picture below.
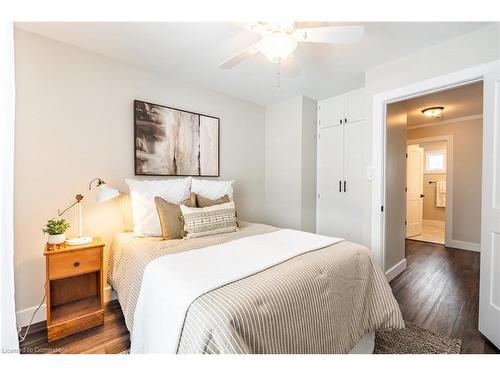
(379, 108)
(448, 231)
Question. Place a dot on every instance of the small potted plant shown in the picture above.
(55, 229)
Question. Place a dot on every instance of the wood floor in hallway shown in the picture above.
(439, 290)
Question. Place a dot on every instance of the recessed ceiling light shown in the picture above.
(434, 112)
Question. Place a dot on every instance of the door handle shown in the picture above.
(340, 186)
(345, 186)
(422, 195)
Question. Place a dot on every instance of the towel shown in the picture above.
(441, 194)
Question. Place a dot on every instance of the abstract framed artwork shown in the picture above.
(174, 142)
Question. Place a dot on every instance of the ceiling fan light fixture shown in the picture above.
(277, 46)
(434, 112)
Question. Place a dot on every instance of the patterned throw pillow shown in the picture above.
(206, 221)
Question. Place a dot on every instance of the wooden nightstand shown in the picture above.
(75, 288)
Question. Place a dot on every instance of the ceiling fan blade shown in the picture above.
(331, 34)
(239, 57)
(290, 67)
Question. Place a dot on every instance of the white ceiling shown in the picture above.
(458, 102)
(191, 52)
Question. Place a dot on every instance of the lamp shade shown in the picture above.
(105, 193)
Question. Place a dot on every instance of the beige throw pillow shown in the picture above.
(206, 202)
(170, 215)
(206, 221)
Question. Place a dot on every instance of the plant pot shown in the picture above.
(56, 239)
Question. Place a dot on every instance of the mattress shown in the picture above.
(324, 301)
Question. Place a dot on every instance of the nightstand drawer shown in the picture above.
(74, 263)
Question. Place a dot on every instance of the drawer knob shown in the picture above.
(76, 264)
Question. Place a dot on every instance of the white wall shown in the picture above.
(475, 48)
(74, 121)
(291, 163)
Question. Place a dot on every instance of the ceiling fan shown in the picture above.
(279, 41)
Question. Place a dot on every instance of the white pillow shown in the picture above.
(212, 189)
(143, 193)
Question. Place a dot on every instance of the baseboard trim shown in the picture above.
(23, 316)
(464, 245)
(394, 271)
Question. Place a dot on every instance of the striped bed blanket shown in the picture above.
(322, 301)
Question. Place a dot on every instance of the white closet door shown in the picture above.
(331, 111)
(355, 106)
(355, 162)
(330, 175)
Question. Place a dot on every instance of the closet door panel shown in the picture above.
(330, 175)
(356, 159)
(331, 111)
(355, 106)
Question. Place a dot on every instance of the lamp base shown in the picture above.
(79, 241)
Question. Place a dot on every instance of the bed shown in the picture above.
(326, 299)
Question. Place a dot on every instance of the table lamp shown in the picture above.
(105, 193)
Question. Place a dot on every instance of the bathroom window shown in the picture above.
(435, 161)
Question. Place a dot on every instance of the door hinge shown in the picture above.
(382, 208)
(406, 189)
(319, 195)
(406, 223)
(406, 155)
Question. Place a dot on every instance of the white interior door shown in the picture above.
(356, 186)
(415, 190)
(331, 111)
(330, 175)
(489, 296)
(355, 106)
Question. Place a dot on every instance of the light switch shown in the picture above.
(370, 173)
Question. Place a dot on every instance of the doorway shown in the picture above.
(437, 183)
(489, 74)
(427, 183)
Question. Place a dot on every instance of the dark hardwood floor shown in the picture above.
(439, 290)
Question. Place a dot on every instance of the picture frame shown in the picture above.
(170, 141)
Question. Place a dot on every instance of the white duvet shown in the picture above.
(172, 282)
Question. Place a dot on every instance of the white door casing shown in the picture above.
(489, 296)
(415, 189)
(378, 104)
